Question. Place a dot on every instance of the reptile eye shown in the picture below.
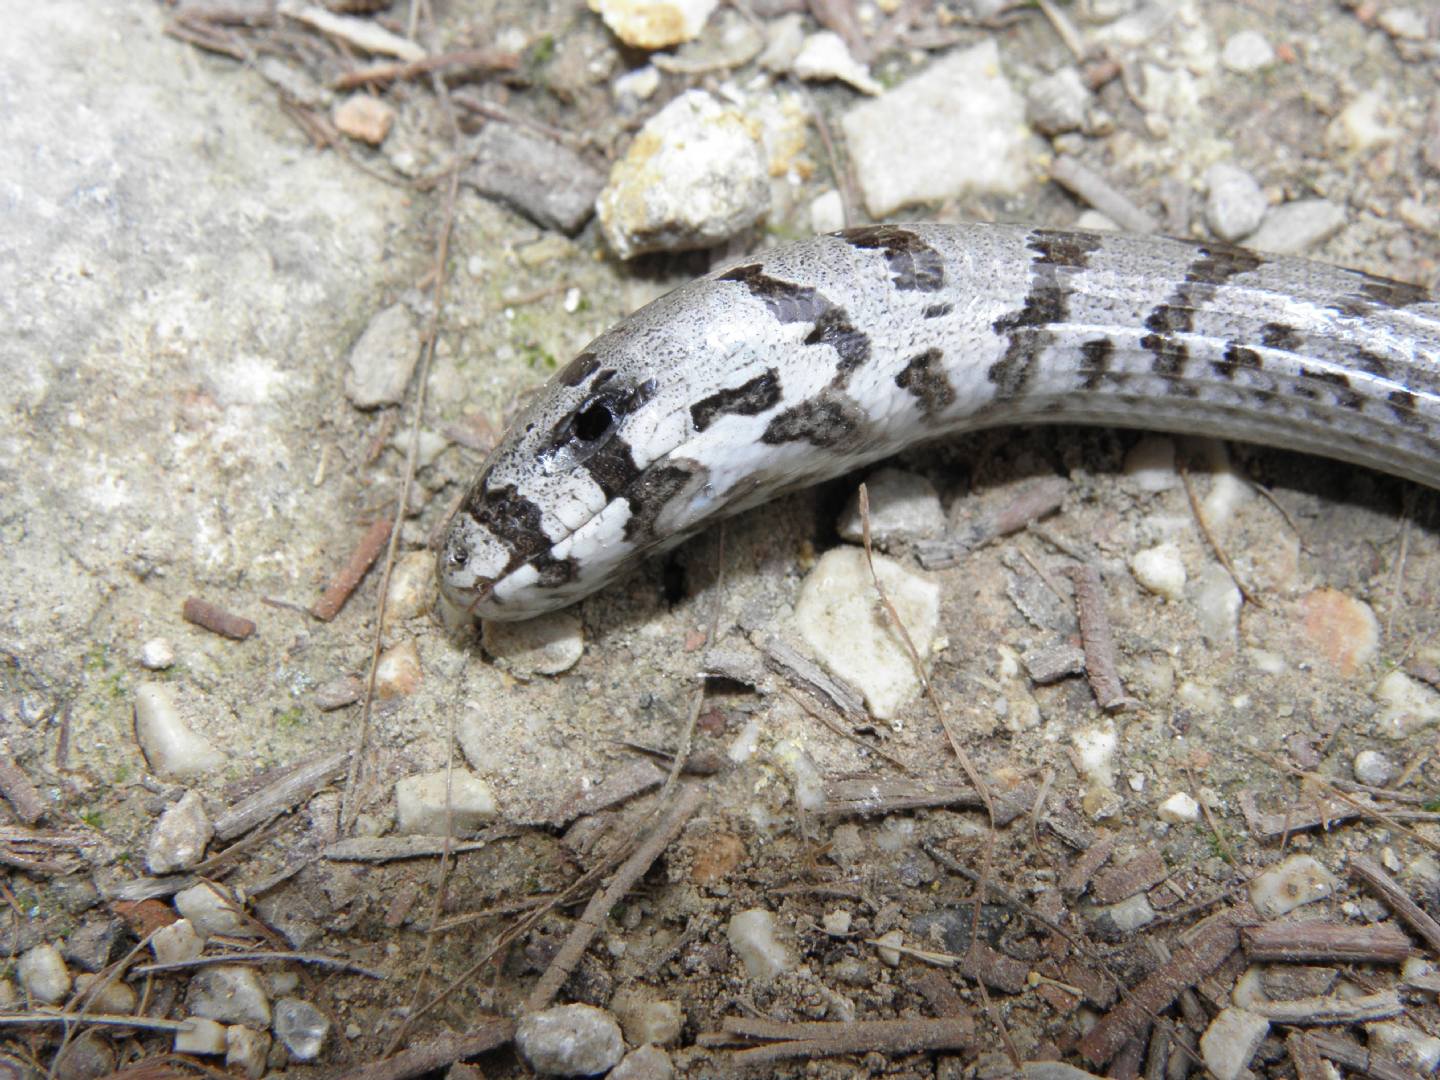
(593, 422)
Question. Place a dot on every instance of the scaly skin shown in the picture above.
(802, 363)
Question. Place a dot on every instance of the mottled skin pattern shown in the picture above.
(805, 362)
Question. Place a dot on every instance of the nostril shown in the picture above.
(458, 555)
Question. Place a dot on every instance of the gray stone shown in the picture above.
(170, 745)
(903, 506)
(43, 974)
(88, 1056)
(694, 176)
(383, 359)
(646, 1063)
(230, 994)
(570, 1040)
(547, 182)
(1235, 205)
(1059, 102)
(1374, 768)
(180, 836)
(905, 148)
(752, 935)
(1297, 226)
(1231, 1041)
(1246, 52)
(301, 1027)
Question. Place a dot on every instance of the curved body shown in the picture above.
(809, 360)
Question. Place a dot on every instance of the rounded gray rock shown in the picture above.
(570, 1040)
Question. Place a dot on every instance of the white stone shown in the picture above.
(1373, 768)
(212, 909)
(1361, 125)
(647, 1020)
(1096, 747)
(229, 993)
(654, 24)
(1235, 204)
(420, 803)
(412, 587)
(752, 936)
(694, 176)
(903, 506)
(173, 750)
(842, 620)
(1150, 464)
(570, 1040)
(246, 1050)
(1406, 705)
(1247, 51)
(746, 742)
(157, 654)
(544, 645)
(1299, 880)
(1297, 226)
(1160, 570)
(399, 671)
(836, 923)
(956, 128)
(176, 943)
(1179, 809)
(1217, 601)
(1059, 102)
(383, 359)
(825, 55)
(43, 974)
(179, 838)
(647, 1062)
(204, 1037)
(1405, 23)
(1124, 917)
(301, 1027)
(1231, 1041)
(809, 784)
(638, 85)
(105, 995)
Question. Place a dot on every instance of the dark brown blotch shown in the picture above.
(1275, 335)
(938, 311)
(789, 302)
(924, 377)
(1236, 357)
(1058, 247)
(834, 328)
(826, 421)
(1345, 397)
(651, 495)
(1096, 356)
(748, 399)
(914, 265)
(578, 370)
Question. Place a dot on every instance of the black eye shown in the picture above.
(593, 422)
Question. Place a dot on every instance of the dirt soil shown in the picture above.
(188, 258)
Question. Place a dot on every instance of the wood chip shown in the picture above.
(23, 796)
(216, 619)
(1339, 943)
(1356, 1058)
(1397, 899)
(432, 1056)
(1096, 636)
(285, 793)
(1032, 502)
(1143, 872)
(823, 1038)
(786, 660)
(351, 574)
(1205, 948)
(1077, 878)
(888, 795)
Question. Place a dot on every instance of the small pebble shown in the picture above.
(383, 359)
(545, 645)
(420, 804)
(695, 176)
(824, 56)
(87, 1056)
(1217, 601)
(229, 993)
(1059, 102)
(1231, 1041)
(1406, 706)
(412, 587)
(176, 943)
(157, 654)
(654, 24)
(752, 936)
(180, 836)
(1364, 124)
(646, 1020)
(173, 750)
(827, 212)
(1235, 204)
(1052, 663)
(636, 86)
(212, 909)
(338, 692)
(1404, 23)
(246, 1051)
(1160, 570)
(836, 923)
(903, 506)
(1179, 809)
(301, 1027)
(204, 1037)
(399, 671)
(646, 1063)
(570, 1040)
(1299, 880)
(43, 974)
(106, 995)
(1247, 52)
(1374, 768)
(1116, 921)
(1295, 227)
(365, 118)
(1340, 628)
(850, 633)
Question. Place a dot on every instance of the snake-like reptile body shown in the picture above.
(807, 361)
